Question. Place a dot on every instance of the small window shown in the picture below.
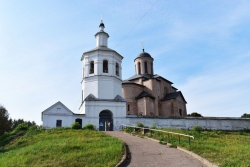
(139, 68)
(58, 123)
(117, 69)
(105, 66)
(146, 67)
(91, 70)
(128, 107)
(180, 112)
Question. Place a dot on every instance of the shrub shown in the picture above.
(129, 129)
(140, 125)
(197, 129)
(245, 115)
(89, 127)
(153, 126)
(76, 125)
(5, 139)
(194, 114)
(20, 127)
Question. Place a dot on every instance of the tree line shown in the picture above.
(195, 114)
(8, 124)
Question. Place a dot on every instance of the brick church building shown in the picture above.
(148, 94)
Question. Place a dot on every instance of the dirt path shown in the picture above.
(147, 153)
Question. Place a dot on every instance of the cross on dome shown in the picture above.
(142, 46)
(101, 25)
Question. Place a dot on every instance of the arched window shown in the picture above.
(146, 67)
(139, 68)
(105, 66)
(91, 70)
(117, 69)
(152, 69)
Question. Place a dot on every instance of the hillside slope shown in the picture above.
(62, 147)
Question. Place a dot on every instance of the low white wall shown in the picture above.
(188, 123)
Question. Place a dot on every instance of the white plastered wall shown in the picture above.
(189, 123)
(118, 109)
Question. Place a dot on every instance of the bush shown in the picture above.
(245, 115)
(194, 114)
(76, 125)
(90, 127)
(153, 126)
(20, 127)
(197, 129)
(129, 129)
(140, 125)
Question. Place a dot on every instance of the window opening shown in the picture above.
(152, 69)
(58, 123)
(146, 67)
(91, 70)
(117, 69)
(139, 68)
(105, 66)
(180, 112)
(128, 107)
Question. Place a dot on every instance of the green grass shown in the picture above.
(220, 147)
(62, 147)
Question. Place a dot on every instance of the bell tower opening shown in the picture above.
(139, 68)
(105, 66)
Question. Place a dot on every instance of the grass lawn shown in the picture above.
(62, 147)
(220, 147)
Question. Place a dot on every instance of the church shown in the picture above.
(107, 100)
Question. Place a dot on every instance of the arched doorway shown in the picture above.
(105, 121)
(79, 120)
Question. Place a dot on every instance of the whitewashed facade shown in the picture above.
(102, 102)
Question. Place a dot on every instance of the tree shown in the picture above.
(194, 114)
(245, 115)
(5, 123)
(17, 122)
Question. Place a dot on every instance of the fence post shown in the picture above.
(179, 139)
(189, 143)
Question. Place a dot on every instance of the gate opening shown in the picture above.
(105, 121)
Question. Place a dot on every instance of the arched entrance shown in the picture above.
(105, 121)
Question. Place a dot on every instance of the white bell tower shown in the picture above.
(101, 69)
(102, 77)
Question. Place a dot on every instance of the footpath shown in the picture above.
(147, 153)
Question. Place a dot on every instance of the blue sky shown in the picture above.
(203, 47)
